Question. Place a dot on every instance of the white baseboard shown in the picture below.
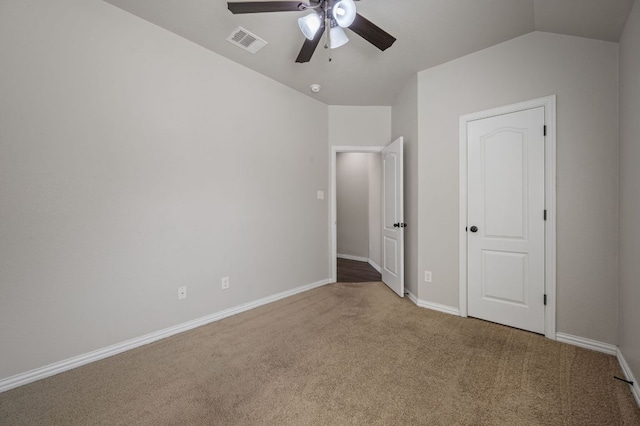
(350, 257)
(77, 361)
(375, 266)
(438, 307)
(433, 306)
(635, 388)
(411, 296)
(583, 342)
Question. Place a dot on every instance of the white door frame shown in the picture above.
(334, 204)
(549, 104)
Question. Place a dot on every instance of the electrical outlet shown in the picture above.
(225, 283)
(427, 276)
(320, 195)
(182, 293)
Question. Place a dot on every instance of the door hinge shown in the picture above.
(545, 214)
(544, 130)
(545, 300)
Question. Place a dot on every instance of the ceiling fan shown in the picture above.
(333, 14)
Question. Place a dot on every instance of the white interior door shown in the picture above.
(505, 238)
(393, 217)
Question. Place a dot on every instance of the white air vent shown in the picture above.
(244, 39)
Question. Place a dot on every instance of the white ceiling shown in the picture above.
(428, 32)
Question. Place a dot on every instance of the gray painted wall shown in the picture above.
(405, 124)
(375, 208)
(359, 125)
(133, 162)
(352, 197)
(629, 300)
(583, 73)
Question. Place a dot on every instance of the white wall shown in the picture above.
(629, 295)
(352, 196)
(359, 125)
(405, 124)
(133, 162)
(583, 73)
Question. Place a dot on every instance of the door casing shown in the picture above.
(549, 104)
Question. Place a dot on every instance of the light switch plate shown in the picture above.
(182, 293)
(320, 195)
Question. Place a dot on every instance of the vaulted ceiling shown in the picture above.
(428, 32)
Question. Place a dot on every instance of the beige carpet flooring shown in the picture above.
(342, 354)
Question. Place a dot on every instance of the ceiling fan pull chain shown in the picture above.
(327, 26)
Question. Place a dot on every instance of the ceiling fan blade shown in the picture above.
(265, 6)
(372, 33)
(309, 47)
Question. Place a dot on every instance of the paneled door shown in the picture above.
(506, 219)
(393, 217)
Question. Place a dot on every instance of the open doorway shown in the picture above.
(358, 216)
(391, 212)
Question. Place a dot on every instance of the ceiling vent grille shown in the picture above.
(246, 40)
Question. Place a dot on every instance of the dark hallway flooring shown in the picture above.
(353, 271)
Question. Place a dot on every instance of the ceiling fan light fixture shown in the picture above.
(344, 12)
(310, 24)
(338, 37)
